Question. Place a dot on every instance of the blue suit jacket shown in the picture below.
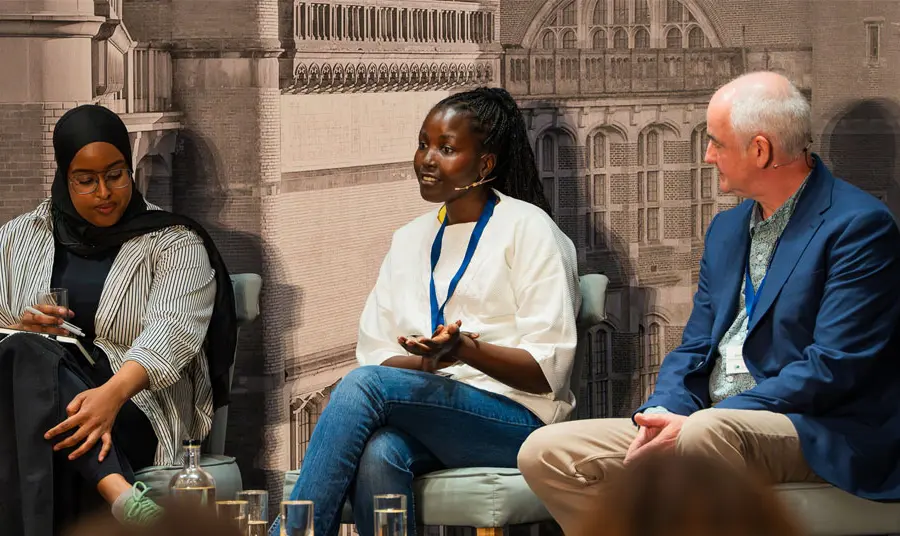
(823, 341)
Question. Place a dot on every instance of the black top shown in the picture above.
(84, 278)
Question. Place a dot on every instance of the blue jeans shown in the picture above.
(384, 426)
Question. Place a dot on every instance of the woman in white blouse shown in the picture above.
(467, 340)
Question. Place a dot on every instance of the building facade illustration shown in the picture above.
(287, 127)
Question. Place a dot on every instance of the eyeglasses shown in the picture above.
(87, 183)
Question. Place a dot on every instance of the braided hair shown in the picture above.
(498, 120)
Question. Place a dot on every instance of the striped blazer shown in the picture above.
(155, 309)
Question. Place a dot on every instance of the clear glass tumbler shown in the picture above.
(235, 512)
(257, 510)
(390, 515)
(297, 518)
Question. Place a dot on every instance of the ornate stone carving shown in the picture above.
(311, 77)
(393, 21)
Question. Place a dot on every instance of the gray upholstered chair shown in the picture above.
(223, 468)
(491, 498)
(827, 511)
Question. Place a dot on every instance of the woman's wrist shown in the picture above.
(465, 348)
(130, 380)
(118, 390)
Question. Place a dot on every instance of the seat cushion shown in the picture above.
(222, 468)
(477, 497)
(826, 510)
(471, 497)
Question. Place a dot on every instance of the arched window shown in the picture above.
(696, 39)
(673, 38)
(652, 148)
(554, 32)
(645, 25)
(548, 153)
(641, 38)
(548, 42)
(620, 39)
(598, 151)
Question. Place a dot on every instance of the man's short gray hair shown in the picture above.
(781, 113)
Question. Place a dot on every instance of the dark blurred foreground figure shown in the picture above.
(690, 495)
(176, 520)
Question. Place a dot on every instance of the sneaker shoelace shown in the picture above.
(141, 508)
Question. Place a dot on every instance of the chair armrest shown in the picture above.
(593, 299)
(246, 297)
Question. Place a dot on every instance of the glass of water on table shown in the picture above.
(257, 510)
(390, 515)
(234, 512)
(297, 518)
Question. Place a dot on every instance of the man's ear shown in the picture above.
(762, 151)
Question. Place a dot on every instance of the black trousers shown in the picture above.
(43, 492)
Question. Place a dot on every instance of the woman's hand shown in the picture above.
(436, 351)
(93, 413)
(443, 341)
(48, 322)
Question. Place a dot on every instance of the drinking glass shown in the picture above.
(54, 296)
(235, 512)
(297, 518)
(257, 510)
(390, 515)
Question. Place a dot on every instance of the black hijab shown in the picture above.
(92, 123)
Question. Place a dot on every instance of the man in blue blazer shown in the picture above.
(790, 363)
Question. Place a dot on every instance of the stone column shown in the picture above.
(228, 159)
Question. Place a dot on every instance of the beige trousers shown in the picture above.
(565, 464)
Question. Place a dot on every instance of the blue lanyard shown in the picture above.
(437, 312)
(750, 297)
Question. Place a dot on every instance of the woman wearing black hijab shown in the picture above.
(154, 301)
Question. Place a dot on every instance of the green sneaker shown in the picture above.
(140, 509)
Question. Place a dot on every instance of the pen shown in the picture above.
(65, 325)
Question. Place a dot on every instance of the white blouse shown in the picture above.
(520, 291)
